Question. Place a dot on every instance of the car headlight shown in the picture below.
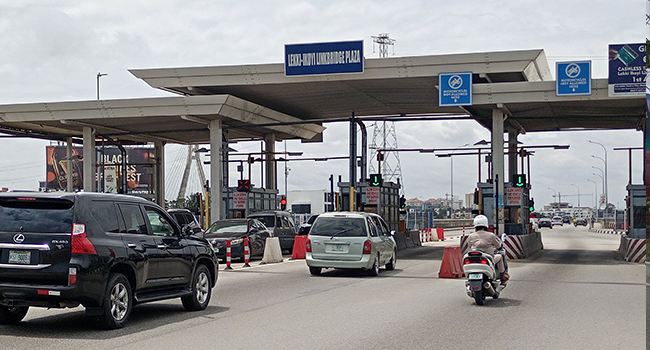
(236, 241)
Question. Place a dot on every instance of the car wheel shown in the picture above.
(315, 270)
(12, 314)
(201, 290)
(393, 260)
(118, 302)
(374, 270)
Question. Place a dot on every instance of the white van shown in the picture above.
(557, 220)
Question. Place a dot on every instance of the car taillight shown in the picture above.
(308, 245)
(80, 242)
(367, 247)
(72, 275)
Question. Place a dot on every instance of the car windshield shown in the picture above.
(226, 228)
(340, 227)
(267, 220)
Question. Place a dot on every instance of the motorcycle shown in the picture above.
(483, 278)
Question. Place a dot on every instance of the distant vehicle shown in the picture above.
(350, 240)
(236, 230)
(303, 229)
(280, 223)
(581, 222)
(107, 252)
(545, 222)
(566, 219)
(184, 217)
(557, 220)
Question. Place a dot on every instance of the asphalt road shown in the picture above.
(575, 294)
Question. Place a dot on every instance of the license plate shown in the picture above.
(475, 276)
(336, 248)
(20, 257)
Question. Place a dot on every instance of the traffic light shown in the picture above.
(402, 202)
(531, 205)
(519, 180)
(244, 185)
(375, 180)
(283, 203)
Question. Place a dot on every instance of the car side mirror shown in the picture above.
(392, 233)
(187, 231)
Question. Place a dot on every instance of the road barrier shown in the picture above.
(452, 263)
(247, 253)
(441, 233)
(633, 249)
(514, 246)
(228, 255)
(272, 251)
(299, 248)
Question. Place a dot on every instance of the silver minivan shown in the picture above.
(350, 240)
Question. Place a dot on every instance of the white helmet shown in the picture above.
(481, 220)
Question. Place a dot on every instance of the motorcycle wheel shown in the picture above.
(479, 297)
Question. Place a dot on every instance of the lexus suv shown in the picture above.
(105, 252)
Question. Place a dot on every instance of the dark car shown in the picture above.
(545, 222)
(282, 226)
(304, 229)
(236, 230)
(105, 252)
(184, 217)
(581, 222)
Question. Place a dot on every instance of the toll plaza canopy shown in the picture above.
(261, 102)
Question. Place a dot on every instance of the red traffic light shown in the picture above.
(283, 202)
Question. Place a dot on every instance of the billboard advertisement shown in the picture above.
(627, 73)
(139, 170)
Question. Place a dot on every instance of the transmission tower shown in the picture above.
(384, 136)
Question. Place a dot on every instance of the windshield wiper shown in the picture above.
(340, 232)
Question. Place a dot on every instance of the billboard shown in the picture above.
(323, 58)
(139, 161)
(627, 73)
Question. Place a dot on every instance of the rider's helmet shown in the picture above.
(481, 221)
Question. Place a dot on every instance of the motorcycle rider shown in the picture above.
(488, 242)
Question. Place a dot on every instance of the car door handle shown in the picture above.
(135, 247)
(161, 246)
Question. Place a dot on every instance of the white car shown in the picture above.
(557, 220)
(350, 240)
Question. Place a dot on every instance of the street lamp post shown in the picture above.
(554, 193)
(576, 186)
(603, 182)
(595, 192)
(99, 75)
(605, 190)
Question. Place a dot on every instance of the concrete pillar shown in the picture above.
(271, 165)
(353, 161)
(216, 170)
(70, 170)
(89, 159)
(159, 172)
(498, 167)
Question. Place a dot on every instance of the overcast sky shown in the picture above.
(52, 51)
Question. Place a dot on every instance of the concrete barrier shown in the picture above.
(400, 239)
(633, 249)
(272, 251)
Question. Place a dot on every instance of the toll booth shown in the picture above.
(516, 215)
(383, 200)
(515, 202)
(241, 204)
(636, 211)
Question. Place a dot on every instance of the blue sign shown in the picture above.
(573, 78)
(627, 74)
(323, 58)
(455, 89)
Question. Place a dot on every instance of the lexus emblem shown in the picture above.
(19, 238)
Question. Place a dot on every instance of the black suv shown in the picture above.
(103, 251)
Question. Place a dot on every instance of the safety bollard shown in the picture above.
(228, 255)
(247, 253)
